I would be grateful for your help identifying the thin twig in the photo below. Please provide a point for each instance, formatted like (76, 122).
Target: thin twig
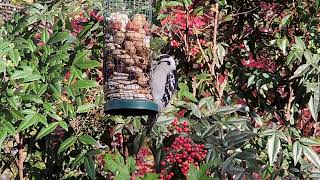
(245, 12)
(201, 49)
(215, 32)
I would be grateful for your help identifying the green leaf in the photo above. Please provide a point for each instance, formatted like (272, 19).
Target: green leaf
(131, 164)
(45, 35)
(55, 116)
(300, 71)
(236, 137)
(78, 160)
(174, 3)
(285, 21)
(46, 130)
(110, 164)
(183, 87)
(14, 56)
(187, 2)
(64, 125)
(195, 110)
(28, 121)
(314, 103)
(221, 53)
(86, 139)
(273, 148)
(90, 168)
(11, 130)
(16, 114)
(87, 64)
(3, 136)
(282, 44)
(312, 156)
(300, 43)
(85, 84)
(80, 57)
(66, 144)
(189, 95)
(151, 176)
(48, 107)
(296, 152)
(310, 141)
(224, 110)
(20, 74)
(85, 108)
(58, 37)
(193, 174)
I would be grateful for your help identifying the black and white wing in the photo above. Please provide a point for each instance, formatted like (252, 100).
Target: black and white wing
(171, 86)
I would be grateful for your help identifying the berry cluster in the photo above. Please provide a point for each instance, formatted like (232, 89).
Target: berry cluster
(181, 153)
(144, 163)
(180, 127)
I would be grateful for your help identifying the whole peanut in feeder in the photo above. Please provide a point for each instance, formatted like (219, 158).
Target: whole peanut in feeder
(127, 65)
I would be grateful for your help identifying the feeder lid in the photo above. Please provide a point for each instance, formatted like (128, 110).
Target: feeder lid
(127, 107)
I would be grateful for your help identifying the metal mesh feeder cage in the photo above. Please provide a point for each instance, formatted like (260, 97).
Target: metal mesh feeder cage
(127, 64)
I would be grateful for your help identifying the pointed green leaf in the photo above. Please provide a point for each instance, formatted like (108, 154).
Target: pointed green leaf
(58, 37)
(193, 173)
(28, 121)
(314, 103)
(14, 56)
(285, 21)
(296, 151)
(9, 127)
(66, 144)
(3, 136)
(86, 139)
(64, 125)
(90, 168)
(87, 64)
(80, 57)
(273, 148)
(78, 160)
(312, 156)
(45, 35)
(85, 84)
(85, 108)
(221, 53)
(46, 130)
(300, 71)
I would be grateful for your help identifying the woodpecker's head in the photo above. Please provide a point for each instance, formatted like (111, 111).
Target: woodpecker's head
(168, 60)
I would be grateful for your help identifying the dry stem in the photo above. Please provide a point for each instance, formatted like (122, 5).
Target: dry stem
(22, 156)
(215, 9)
(289, 105)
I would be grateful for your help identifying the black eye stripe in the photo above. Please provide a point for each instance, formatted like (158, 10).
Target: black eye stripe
(163, 56)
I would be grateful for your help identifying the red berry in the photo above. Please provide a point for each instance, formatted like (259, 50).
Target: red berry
(163, 163)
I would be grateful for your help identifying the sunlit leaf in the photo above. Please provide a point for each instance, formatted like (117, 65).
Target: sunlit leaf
(296, 152)
(273, 148)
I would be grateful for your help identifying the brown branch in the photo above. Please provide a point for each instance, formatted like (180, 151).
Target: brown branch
(201, 49)
(289, 105)
(22, 156)
(215, 9)
(245, 12)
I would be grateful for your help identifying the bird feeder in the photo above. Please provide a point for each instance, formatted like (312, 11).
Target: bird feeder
(127, 62)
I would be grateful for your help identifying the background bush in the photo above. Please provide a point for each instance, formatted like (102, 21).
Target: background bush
(247, 106)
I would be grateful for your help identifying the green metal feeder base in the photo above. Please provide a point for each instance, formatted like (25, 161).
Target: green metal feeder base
(130, 107)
